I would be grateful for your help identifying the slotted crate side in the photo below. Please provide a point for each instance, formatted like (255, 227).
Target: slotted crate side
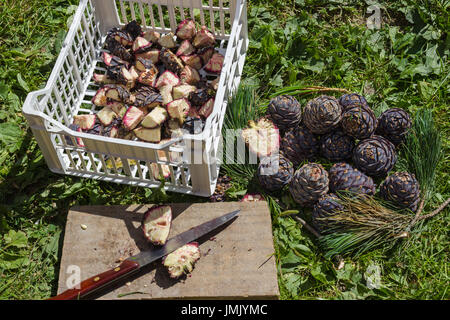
(229, 81)
(165, 15)
(51, 110)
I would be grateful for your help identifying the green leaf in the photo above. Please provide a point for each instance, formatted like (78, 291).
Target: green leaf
(292, 282)
(277, 81)
(4, 89)
(52, 247)
(302, 249)
(318, 274)
(426, 90)
(22, 83)
(10, 135)
(16, 239)
(315, 66)
(9, 261)
(290, 262)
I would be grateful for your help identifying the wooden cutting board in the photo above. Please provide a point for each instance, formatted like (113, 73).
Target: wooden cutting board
(237, 260)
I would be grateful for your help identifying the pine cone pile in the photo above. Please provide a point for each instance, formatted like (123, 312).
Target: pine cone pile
(358, 121)
(343, 177)
(347, 132)
(322, 114)
(337, 146)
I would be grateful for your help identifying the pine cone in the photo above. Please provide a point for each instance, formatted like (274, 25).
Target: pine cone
(337, 146)
(322, 114)
(274, 172)
(375, 156)
(352, 98)
(358, 121)
(328, 205)
(403, 189)
(299, 144)
(344, 177)
(285, 111)
(393, 124)
(308, 184)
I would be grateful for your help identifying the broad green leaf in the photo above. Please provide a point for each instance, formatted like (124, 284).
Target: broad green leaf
(315, 66)
(318, 274)
(22, 83)
(4, 89)
(425, 89)
(290, 262)
(10, 262)
(292, 281)
(10, 135)
(16, 239)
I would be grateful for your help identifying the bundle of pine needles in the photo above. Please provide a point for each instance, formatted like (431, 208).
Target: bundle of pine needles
(366, 223)
(362, 225)
(422, 153)
(241, 108)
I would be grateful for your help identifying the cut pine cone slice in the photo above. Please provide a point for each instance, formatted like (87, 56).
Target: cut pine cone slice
(147, 97)
(182, 260)
(262, 137)
(171, 61)
(156, 224)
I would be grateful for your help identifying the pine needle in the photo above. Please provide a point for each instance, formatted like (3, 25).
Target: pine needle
(301, 90)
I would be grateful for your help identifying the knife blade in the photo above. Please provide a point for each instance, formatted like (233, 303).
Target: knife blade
(136, 262)
(145, 257)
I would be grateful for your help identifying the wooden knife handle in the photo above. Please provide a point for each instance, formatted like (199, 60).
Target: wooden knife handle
(95, 282)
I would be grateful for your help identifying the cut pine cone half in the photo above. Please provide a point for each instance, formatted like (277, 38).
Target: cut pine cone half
(262, 137)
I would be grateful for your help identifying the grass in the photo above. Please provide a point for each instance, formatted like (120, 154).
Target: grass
(292, 43)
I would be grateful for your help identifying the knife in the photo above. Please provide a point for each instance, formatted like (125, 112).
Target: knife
(136, 262)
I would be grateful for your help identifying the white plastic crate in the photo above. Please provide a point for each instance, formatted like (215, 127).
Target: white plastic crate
(70, 88)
